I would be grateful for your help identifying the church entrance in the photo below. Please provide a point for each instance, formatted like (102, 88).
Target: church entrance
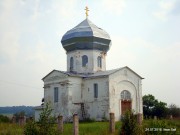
(126, 103)
(125, 106)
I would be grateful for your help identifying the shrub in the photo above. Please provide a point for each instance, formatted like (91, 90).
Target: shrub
(45, 125)
(31, 128)
(130, 125)
(4, 119)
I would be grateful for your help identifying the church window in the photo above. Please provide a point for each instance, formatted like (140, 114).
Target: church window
(95, 90)
(125, 95)
(56, 94)
(84, 60)
(99, 61)
(71, 63)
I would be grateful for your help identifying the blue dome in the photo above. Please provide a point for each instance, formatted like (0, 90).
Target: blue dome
(86, 36)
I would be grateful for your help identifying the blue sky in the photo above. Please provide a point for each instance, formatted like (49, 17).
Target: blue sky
(145, 37)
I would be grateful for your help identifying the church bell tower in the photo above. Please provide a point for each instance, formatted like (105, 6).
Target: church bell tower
(86, 46)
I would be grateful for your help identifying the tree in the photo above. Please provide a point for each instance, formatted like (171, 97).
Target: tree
(149, 102)
(174, 110)
(45, 126)
(160, 110)
(46, 121)
(4, 119)
(153, 107)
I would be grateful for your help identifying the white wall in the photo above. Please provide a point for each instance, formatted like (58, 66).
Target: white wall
(92, 61)
(96, 107)
(124, 80)
(38, 111)
(77, 90)
(60, 80)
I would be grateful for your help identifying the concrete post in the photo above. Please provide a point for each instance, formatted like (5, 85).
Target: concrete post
(155, 117)
(14, 119)
(139, 118)
(75, 124)
(22, 120)
(112, 123)
(60, 123)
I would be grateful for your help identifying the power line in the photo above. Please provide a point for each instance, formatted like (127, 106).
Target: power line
(19, 84)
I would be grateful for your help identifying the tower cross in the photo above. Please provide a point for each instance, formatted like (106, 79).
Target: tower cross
(86, 11)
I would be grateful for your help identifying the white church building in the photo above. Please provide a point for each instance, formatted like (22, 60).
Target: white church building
(87, 88)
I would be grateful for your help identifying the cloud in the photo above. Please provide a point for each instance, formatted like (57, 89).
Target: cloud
(120, 53)
(25, 52)
(165, 8)
(9, 46)
(165, 54)
(114, 6)
(9, 34)
(176, 10)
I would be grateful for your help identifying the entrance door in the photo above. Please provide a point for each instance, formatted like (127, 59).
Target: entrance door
(125, 101)
(125, 106)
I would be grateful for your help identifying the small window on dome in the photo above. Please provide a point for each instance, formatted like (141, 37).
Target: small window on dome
(84, 60)
(99, 61)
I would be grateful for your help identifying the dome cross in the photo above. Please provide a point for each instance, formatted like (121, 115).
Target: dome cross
(87, 9)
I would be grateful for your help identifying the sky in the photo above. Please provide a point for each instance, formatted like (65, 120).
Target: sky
(145, 36)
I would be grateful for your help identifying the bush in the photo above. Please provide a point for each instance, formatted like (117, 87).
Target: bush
(4, 119)
(45, 126)
(31, 128)
(130, 125)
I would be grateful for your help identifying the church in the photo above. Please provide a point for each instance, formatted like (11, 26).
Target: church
(87, 88)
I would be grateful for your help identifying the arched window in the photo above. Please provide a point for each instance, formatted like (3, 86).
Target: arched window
(84, 60)
(71, 63)
(99, 61)
(125, 95)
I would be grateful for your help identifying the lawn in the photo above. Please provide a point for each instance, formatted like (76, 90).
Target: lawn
(99, 128)
(93, 128)
(10, 129)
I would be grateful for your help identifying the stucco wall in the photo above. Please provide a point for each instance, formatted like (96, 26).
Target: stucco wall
(92, 61)
(96, 107)
(124, 80)
(76, 90)
(60, 80)
(37, 114)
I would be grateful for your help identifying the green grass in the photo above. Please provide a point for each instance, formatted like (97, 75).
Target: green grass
(10, 129)
(93, 128)
(161, 125)
(96, 128)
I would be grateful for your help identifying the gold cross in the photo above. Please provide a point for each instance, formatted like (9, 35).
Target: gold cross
(86, 11)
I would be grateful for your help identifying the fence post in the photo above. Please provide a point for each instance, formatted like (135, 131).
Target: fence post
(14, 119)
(112, 123)
(22, 120)
(60, 123)
(19, 120)
(139, 118)
(75, 124)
